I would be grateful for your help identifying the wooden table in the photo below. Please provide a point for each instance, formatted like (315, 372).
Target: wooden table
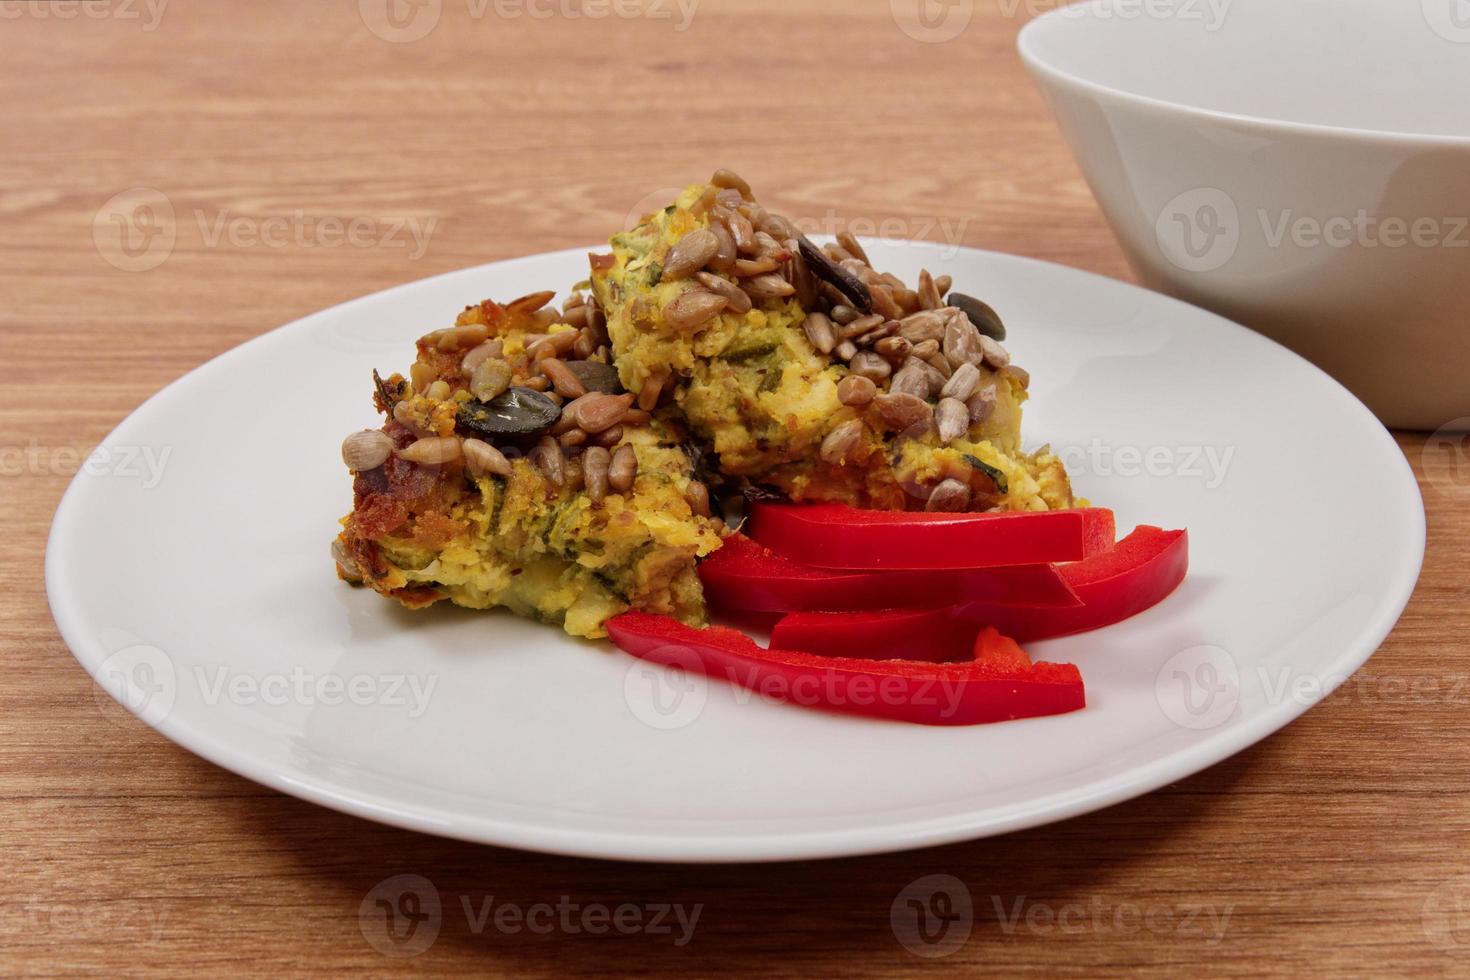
(1340, 844)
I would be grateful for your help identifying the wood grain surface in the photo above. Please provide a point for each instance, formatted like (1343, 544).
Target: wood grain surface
(271, 128)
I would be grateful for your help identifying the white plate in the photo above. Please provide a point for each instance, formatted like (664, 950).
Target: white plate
(199, 592)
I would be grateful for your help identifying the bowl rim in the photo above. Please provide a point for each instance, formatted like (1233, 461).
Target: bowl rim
(1039, 67)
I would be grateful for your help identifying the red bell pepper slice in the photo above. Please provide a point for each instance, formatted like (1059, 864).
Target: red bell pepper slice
(838, 536)
(743, 575)
(1139, 572)
(935, 635)
(998, 684)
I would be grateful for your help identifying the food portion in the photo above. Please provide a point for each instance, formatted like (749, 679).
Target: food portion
(805, 369)
(513, 471)
(593, 466)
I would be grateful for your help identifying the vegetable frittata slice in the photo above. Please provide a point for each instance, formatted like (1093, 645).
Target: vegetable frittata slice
(512, 471)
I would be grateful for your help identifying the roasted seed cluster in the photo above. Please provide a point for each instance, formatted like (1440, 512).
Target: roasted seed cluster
(549, 395)
(914, 355)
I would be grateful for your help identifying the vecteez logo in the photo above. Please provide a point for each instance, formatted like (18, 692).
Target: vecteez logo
(1198, 688)
(1450, 19)
(932, 916)
(1199, 230)
(135, 229)
(401, 21)
(401, 916)
(932, 21)
(141, 678)
(668, 695)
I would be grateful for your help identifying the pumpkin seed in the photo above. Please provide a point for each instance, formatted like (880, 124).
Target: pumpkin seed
(514, 412)
(985, 319)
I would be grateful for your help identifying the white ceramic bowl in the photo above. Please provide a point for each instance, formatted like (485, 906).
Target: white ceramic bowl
(1300, 166)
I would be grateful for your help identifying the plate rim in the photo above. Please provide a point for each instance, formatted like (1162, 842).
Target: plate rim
(1076, 800)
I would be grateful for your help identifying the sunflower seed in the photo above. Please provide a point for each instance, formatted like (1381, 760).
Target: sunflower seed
(530, 304)
(602, 412)
(962, 383)
(739, 303)
(894, 348)
(698, 496)
(484, 459)
(694, 308)
(952, 419)
(951, 496)
(489, 378)
(849, 242)
(900, 410)
(869, 365)
(856, 390)
(981, 404)
(840, 441)
(819, 331)
(746, 268)
(925, 325)
(567, 384)
(468, 335)
(860, 326)
(725, 254)
(595, 464)
(884, 303)
(995, 355)
(690, 254)
(725, 178)
(623, 470)
(367, 450)
(929, 297)
(432, 451)
(845, 350)
(963, 344)
(1022, 376)
(911, 381)
(985, 319)
(767, 287)
(547, 456)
